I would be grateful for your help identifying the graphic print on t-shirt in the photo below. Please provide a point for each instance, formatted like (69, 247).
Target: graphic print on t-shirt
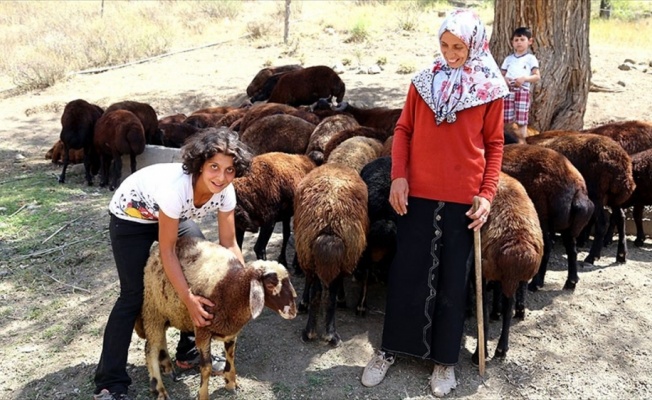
(138, 209)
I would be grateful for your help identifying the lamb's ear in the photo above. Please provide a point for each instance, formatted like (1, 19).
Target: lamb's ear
(256, 298)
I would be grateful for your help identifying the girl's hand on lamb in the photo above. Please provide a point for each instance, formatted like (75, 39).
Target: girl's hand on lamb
(398, 195)
(197, 308)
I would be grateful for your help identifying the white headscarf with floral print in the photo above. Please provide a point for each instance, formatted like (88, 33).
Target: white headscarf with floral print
(478, 81)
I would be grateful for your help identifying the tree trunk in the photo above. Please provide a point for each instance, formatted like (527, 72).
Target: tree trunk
(560, 31)
(605, 9)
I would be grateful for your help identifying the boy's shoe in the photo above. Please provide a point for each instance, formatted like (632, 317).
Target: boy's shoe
(218, 364)
(106, 395)
(376, 369)
(442, 380)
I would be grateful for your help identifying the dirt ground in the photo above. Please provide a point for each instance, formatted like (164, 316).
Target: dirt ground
(593, 343)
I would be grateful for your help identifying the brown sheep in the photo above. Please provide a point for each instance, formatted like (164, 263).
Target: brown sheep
(266, 196)
(330, 228)
(308, 85)
(341, 136)
(512, 248)
(145, 114)
(380, 118)
(641, 197)
(387, 147)
(633, 136)
(172, 119)
(356, 152)
(116, 133)
(204, 120)
(281, 132)
(264, 74)
(324, 131)
(232, 116)
(212, 271)
(215, 110)
(607, 171)
(381, 239)
(263, 110)
(175, 134)
(560, 197)
(75, 156)
(77, 129)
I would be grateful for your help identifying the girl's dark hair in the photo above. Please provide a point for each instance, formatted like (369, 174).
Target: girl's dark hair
(206, 143)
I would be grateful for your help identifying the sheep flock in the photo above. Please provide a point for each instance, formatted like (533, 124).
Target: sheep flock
(322, 169)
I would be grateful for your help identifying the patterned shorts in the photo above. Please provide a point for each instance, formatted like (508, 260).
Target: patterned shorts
(517, 104)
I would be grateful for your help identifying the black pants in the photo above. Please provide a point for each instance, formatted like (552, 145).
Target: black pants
(427, 283)
(131, 242)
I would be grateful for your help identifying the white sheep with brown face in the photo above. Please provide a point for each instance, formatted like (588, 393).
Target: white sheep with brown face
(239, 293)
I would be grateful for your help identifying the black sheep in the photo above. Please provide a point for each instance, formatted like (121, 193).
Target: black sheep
(77, 128)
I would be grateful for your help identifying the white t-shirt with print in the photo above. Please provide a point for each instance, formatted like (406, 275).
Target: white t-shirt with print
(164, 187)
(518, 66)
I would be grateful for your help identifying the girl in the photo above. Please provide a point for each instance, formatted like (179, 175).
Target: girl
(158, 203)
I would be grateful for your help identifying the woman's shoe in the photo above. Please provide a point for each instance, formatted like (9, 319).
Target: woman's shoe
(442, 380)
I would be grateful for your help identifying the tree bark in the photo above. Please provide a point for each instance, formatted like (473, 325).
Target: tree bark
(560, 31)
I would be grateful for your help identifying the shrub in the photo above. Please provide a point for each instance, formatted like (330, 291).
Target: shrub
(406, 68)
(359, 33)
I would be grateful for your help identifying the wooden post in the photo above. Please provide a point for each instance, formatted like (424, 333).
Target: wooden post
(286, 31)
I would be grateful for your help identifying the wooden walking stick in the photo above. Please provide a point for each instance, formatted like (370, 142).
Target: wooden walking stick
(477, 249)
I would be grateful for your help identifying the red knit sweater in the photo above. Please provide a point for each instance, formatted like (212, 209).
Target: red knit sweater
(449, 162)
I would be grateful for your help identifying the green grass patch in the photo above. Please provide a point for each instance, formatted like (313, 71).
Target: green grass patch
(35, 206)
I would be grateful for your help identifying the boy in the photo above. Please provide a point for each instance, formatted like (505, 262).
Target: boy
(520, 69)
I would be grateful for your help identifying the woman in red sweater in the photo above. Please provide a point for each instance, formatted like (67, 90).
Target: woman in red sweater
(446, 156)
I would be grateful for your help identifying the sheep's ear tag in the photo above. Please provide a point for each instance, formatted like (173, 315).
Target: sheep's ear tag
(256, 298)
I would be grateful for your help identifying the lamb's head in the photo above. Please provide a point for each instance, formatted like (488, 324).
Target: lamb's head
(273, 289)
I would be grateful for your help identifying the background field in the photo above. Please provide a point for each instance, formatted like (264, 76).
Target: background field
(57, 278)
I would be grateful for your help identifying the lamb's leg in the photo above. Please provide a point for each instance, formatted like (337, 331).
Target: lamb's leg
(571, 253)
(132, 157)
(638, 220)
(116, 166)
(495, 289)
(229, 368)
(287, 230)
(304, 304)
(539, 278)
(203, 344)
(599, 227)
(155, 344)
(88, 165)
(519, 304)
(239, 236)
(503, 342)
(618, 216)
(66, 160)
(310, 332)
(260, 248)
(363, 268)
(331, 336)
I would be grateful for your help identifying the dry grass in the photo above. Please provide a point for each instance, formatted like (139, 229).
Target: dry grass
(48, 41)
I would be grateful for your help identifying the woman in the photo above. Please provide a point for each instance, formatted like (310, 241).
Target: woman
(157, 203)
(446, 156)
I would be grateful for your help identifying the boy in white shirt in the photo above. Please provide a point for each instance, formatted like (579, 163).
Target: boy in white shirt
(520, 69)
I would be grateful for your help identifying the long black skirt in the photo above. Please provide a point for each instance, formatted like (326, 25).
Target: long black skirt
(427, 283)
